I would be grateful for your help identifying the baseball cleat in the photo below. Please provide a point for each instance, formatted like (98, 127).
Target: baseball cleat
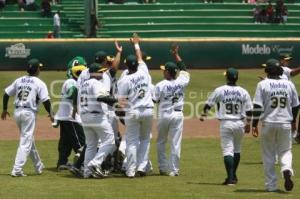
(39, 169)
(64, 167)
(229, 182)
(288, 183)
(76, 172)
(96, 172)
(20, 174)
(141, 173)
(173, 173)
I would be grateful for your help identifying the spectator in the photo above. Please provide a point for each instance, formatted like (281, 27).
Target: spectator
(94, 25)
(50, 35)
(270, 12)
(252, 1)
(284, 14)
(46, 8)
(31, 5)
(278, 11)
(256, 14)
(2, 4)
(22, 5)
(263, 14)
(56, 24)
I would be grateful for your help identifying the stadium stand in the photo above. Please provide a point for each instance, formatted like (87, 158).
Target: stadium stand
(165, 18)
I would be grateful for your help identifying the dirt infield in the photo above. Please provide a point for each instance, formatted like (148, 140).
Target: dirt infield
(193, 128)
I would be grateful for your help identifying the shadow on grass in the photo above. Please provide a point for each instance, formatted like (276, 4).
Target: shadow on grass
(251, 163)
(206, 183)
(259, 191)
(52, 169)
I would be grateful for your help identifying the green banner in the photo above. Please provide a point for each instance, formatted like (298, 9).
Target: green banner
(55, 54)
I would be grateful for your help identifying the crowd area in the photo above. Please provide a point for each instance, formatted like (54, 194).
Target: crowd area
(270, 13)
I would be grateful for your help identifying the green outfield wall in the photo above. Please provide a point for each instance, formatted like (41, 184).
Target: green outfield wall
(197, 53)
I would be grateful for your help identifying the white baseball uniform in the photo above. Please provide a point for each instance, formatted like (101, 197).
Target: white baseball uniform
(277, 98)
(169, 94)
(95, 124)
(28, 92)
(139, 114)
(232, 104)
(286, 73)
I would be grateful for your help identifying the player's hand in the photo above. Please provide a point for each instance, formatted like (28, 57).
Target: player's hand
(247, 128)
(4, 114)
(255, 131)
(118, 47)
(51, 118)
(174, 48)
(203, 117)
(135, 38)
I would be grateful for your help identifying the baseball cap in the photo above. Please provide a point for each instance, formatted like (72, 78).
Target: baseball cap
(272, 63)
(110, 58)
(97, 68)
(169, 66)
(100, 56)
(231, 73)
(33, 65)
(76, 70)
(131, 60)
(285, 57)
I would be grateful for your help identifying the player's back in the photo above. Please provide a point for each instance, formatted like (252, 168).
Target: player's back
(277, 97)
(28, 92)
(232, 102)
(137, 88)
(170, 93)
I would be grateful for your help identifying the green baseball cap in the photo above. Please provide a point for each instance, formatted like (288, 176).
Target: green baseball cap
(100, 56)
(285, 57)
(169, 66)
(131, 60)
(97, 68)
(231, 73)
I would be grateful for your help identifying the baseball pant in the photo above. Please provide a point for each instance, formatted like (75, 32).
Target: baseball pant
(96, 127)
(71, 137)
(232, 133)
(26, 123)
(138, 132)
(169, 126)
(276, 138)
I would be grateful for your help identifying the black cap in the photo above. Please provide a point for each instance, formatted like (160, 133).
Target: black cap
(100, 56)
(33, 65)
(131, 61)
(169, 66)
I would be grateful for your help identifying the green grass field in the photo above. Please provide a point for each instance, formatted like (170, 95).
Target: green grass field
(202, 171)
(202, 83)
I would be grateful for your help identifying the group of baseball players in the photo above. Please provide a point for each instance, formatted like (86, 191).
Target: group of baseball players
(93, 100)
(275, 104)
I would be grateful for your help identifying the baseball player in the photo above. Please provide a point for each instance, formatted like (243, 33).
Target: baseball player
(169, 94)
(276, 103)
(134, 93)
(93, 113)
(71, 131)
(233, 106)
(29, 91)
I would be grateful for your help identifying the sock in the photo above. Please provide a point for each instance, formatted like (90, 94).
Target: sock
(228, 161)
(236, 161)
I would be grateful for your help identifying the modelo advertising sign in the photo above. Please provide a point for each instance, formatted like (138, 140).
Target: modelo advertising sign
(197, 53)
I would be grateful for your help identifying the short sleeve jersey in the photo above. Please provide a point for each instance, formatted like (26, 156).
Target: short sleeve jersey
(29, 91)
(277, 97)
(232, 102)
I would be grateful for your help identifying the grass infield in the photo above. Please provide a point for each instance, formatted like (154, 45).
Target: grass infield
(202, 172)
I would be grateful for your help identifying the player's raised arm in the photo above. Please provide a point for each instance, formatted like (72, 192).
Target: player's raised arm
(116, 62)
(175, 52)
(135, 40)
(295, 71)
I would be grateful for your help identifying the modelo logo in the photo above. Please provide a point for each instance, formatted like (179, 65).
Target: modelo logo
(255, 50)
